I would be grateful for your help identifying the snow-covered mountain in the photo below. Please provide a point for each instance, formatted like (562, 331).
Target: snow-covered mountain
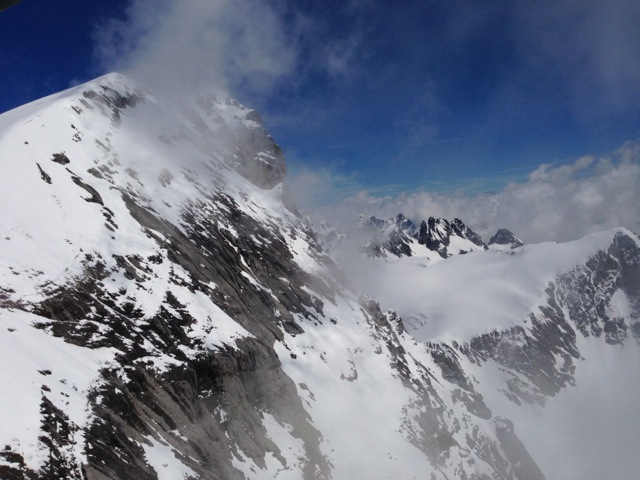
(504, 240)
(435, 239)
(165, 314)
(399, 236)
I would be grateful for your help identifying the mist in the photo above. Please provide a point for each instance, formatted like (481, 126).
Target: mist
(575, 57)
(555, 203)
(178, 47)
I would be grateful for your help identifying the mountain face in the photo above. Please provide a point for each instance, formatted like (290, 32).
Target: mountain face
(164, 314)
(504, 240)
(400, 237)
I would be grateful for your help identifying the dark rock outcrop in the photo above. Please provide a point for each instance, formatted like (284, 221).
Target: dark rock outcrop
(396, 235)
(504, 237)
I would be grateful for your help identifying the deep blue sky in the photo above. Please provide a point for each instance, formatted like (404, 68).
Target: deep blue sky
(389, 96)
(46, 46)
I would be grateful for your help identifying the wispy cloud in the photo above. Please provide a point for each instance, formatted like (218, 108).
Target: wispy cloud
(253, 48)
(312, 188)
(554, 203)
(524, 70)
(581, 56)
(430, 89)
(198, 44)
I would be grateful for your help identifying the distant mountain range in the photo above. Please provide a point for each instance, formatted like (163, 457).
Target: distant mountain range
(166, 313)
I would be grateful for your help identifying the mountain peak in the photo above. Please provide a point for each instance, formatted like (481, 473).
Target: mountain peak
(225, 129)
(113, 80)
(504, 240)
(448, 238)
(400, 236)
(165, 315)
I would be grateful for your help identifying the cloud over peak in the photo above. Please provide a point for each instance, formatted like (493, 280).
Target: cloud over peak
(555, 203)
(178, 46)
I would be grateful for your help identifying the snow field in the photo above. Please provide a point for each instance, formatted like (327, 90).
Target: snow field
(469, 295)
(37, 365)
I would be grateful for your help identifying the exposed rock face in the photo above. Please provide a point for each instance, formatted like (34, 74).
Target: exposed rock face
(259, 158)
(541, 359)
(249, 148)
(400, 237)
(436, 235)
(504, 239)
(165, 318)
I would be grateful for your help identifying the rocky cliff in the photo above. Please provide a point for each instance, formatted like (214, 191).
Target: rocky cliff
(165, 315)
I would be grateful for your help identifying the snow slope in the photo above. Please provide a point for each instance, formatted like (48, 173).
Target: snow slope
(165, 314)
(469, 295)
(492, 308)
(70, 163)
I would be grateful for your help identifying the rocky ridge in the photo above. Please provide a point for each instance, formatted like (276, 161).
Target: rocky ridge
(504, 240)
(400, 236)
(166, 315)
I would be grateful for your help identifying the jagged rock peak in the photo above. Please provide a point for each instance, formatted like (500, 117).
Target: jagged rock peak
(404, 223)
(400, 236)
(504, 239)
(463, 231)
(437, 234)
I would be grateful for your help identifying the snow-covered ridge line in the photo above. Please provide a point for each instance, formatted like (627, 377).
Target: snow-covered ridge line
(137, 241)
(78, 169)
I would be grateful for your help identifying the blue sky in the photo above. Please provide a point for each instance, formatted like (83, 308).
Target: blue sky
(384, 96)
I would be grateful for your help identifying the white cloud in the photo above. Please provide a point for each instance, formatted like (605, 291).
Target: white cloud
(555, 203)
(175, 46)
(252, 49)
(311, 188)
